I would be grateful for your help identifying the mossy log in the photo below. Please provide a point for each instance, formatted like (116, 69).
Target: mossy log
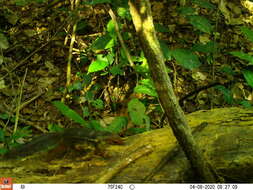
(225, 135)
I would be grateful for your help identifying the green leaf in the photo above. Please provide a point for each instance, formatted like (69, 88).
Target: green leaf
(186, 58)
(3, 151)
(166, 51)
(243, 56)
(2, 135)
(118, 124)
(136, 111)
(69, 113)
(4, 44)
(210, 47)
(86, 111)
(201, 23)
(146, 86)
(124, 13)
(227, 70)
(247, 32)
(21, 2)
(103, 42)
(111, 29)
(226, 93)
(204, 4)
(77, 85)
(246, 104)
(98, 104)
(116, 70)
(4, 116)
(248, 75)
(95, 2)
(99, 64)
(161, 28)
(94, 124)
(186, 11)
(54, 128)
(22, 132)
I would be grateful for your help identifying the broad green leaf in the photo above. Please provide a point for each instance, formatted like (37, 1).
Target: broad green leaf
(243, 56)
(111, 29)
(186, 58)
(69, 113)
(99, 64)
(210, 47)
(94, 124)
(118, 124)
(4, 44)
(166, 51)
(248, 75)
(146, 86)
(246, 104)
(226, 93)
(103, 42)
(204, 4)
(4, 116)
(247, 32)
(186, 11)
(201, 23)
(136, 111)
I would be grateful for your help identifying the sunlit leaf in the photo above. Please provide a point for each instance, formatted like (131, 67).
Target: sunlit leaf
(247, 32)
(103, 42)
(146, 86)
(99, 64)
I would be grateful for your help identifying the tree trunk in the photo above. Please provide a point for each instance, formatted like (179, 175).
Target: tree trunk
(143, 22)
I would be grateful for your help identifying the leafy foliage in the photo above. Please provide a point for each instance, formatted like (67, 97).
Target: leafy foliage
(186, 58)
(137, 114)
(146, 87)
(69, 113)
(200, 23)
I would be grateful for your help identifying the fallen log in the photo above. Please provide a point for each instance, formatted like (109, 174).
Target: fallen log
(225, 135)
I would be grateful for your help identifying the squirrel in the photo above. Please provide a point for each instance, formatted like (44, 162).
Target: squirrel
(81, 140)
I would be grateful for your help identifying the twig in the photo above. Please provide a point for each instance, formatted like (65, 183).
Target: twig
(112, 15)
(19, 101)
(109, 174)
